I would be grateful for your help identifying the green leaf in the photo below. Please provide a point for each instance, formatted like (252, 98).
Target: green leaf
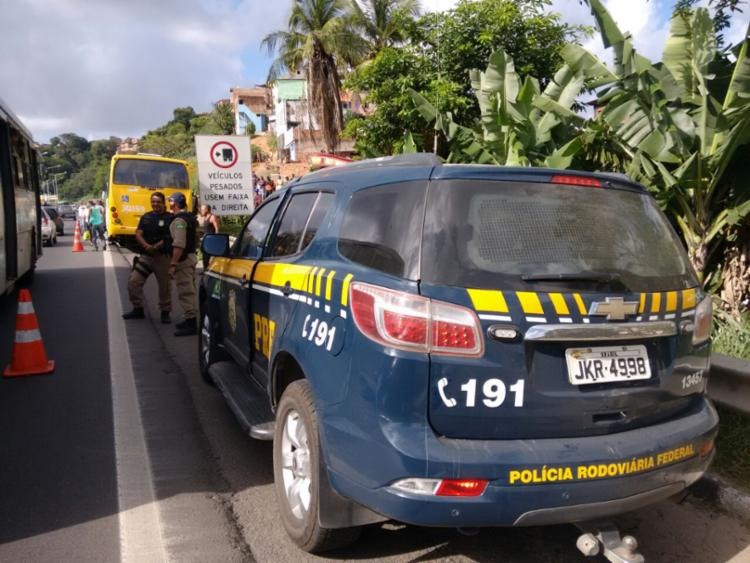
(611, 34)
(738, 92)
(677, 55)
(579, 59)
(704, 41)
(551, 106)
(563, 157)
(425, 108)
(653, 144)
(409, 147)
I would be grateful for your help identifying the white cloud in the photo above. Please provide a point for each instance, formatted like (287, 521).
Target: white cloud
(119, 68)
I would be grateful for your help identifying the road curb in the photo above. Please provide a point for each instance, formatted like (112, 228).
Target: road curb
(720, 492)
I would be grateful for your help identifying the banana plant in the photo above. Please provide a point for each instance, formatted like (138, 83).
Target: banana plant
(519, 124)
(685, 128)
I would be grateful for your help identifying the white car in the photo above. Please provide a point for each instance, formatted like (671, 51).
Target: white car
(49, 231)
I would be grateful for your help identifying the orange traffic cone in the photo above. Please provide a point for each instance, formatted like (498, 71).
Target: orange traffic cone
(29, 357)
(77, 245)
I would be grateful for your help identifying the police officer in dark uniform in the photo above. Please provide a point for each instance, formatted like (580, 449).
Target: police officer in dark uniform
(153, 237)
(184, 231)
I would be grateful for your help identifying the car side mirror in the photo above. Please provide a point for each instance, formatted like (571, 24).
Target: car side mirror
(215, 244)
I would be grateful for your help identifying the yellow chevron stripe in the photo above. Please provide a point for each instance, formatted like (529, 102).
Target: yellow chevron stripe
(655, 302)
(311, 280)
(329, 284)
(642, 306)
(278, 275)
(319, 282)
(345, 290)
(530, 302)
(688, 298)
(581, 305)
(488, 300)
(561, 307)
(671, 301)
(233, 268)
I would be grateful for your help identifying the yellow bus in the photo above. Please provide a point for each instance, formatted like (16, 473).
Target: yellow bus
(132, 180)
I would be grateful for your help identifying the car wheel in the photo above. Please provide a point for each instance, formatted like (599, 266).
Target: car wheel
(208, 349)
(296, 466)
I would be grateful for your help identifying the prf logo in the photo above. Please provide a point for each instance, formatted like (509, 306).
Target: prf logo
(264, 331)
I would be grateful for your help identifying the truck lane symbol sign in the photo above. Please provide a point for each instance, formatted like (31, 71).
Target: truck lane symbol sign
(224, 154)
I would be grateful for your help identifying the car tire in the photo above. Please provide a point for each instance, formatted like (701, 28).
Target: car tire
(296, 468)
(208, 350)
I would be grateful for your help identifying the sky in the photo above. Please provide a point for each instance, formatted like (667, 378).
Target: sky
(108, 67)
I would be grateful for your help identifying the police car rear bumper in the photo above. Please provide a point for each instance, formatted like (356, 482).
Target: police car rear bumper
(674, 449)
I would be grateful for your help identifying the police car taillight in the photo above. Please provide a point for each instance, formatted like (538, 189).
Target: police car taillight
(573, 180)
(703, 321)
(411, 322)
(442, 487)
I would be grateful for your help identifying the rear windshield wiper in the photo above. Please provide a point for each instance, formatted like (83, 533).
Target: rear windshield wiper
(580, 276)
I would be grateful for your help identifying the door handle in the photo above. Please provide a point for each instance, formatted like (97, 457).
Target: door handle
(287, 289)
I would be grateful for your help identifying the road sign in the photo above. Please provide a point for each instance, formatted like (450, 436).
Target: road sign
(225, 179)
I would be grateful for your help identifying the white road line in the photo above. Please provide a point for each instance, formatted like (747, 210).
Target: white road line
(140, 523)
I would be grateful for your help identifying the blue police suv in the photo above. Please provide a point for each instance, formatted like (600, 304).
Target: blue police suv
(464, 346)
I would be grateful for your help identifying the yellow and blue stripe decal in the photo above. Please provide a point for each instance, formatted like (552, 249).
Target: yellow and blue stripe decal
(541, 307)
(315, 286)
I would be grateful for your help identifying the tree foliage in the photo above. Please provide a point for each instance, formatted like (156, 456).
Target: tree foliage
(319, 37)
(80, 166)
(383, 23)
(436, 59)
(176, 138)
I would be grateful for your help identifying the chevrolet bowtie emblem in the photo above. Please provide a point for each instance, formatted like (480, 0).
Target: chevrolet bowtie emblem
(615, 308)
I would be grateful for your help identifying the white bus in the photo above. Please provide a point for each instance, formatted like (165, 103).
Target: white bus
(20, 240)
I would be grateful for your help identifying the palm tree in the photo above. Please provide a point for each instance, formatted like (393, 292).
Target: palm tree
(318, 36)
(382, 21)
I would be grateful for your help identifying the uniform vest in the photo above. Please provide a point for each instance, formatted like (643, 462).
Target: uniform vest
(191, 237)
(155, 227)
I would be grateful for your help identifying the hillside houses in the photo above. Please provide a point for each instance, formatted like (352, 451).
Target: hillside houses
(284, 111)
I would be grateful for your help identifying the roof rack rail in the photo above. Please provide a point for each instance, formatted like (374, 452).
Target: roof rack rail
(416, 158)
(413, 159)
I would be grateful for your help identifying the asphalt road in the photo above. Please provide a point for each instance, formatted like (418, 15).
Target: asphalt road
(71, 491)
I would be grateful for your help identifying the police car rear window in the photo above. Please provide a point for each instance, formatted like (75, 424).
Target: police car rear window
(513, 234)
(381, 228)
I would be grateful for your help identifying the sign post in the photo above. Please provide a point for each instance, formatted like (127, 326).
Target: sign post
(225, 178)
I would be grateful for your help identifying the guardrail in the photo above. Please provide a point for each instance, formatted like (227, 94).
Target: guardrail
(729, 384)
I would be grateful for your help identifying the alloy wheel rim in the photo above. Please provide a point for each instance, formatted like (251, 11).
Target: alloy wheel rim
(295, 465)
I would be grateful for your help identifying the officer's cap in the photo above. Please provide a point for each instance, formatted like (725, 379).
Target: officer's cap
(178, 199)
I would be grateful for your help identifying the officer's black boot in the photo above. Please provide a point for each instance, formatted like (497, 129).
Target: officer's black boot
(188, 328)
(165, 318)
(136, 313)
(184, 323)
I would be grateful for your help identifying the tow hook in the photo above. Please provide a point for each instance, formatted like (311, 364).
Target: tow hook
(604, 538)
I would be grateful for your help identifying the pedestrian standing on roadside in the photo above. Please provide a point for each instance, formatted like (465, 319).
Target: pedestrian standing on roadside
(96, 222)
(82, 217)
(152, 235)
(184, 233)
(208, 223)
